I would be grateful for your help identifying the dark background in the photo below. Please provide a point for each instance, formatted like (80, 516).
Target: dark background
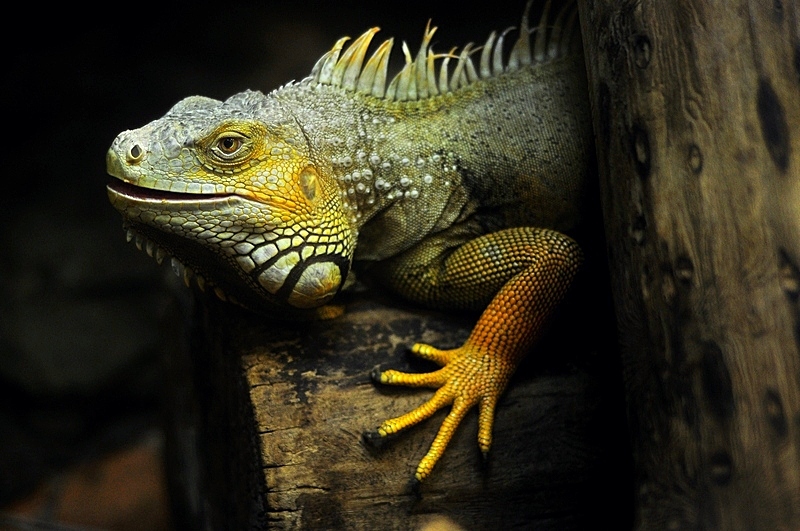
(81, 309)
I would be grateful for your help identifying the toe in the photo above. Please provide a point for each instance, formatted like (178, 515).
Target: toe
(427, 352)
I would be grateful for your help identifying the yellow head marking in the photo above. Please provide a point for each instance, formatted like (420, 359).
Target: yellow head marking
(261, 164)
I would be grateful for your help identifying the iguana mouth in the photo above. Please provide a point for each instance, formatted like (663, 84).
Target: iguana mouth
(131, 192)
(121, 188)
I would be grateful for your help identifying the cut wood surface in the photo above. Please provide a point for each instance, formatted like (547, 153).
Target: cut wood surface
(697, 116)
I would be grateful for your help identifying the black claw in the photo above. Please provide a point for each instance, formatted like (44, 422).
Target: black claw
(416, 488)
(373, 438)
(486, 464)
(375, 374)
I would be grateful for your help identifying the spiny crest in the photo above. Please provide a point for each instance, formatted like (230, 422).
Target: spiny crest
(418, 78)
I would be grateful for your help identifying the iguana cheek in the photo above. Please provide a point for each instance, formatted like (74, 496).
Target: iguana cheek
(316, 285)
(294, 188)
(301, 284)
(273, 278)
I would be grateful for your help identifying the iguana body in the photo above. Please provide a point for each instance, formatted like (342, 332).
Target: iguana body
(453, 183)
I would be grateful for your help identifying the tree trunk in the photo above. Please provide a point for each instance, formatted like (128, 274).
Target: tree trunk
(697, 117)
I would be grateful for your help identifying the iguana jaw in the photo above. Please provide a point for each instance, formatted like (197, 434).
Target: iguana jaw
(138, 205)
(250, 259)
(255, 271)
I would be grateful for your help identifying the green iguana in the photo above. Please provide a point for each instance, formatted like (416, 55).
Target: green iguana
(454, 179)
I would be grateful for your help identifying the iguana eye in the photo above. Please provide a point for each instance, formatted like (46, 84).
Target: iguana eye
(229, 144)
(230, 147)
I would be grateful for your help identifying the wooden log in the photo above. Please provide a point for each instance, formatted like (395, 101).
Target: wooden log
(697, 117)
(267, 420)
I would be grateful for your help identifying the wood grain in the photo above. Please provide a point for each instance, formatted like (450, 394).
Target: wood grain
(697, 116)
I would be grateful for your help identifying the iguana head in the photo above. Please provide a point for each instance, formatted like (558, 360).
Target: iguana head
(229, 189)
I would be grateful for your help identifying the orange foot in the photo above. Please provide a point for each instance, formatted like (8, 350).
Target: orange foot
(469, 376)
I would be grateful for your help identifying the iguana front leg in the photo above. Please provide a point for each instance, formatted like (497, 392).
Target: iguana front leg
(525, 273)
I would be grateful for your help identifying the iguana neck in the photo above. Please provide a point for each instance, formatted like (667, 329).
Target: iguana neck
(375, 150)
(438, 154)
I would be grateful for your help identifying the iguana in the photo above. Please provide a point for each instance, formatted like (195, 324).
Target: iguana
(455, 180)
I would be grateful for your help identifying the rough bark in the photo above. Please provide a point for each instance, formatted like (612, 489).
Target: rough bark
(277, 412)
(697, 118)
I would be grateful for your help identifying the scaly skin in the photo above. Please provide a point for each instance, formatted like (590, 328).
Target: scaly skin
(539, 265)
(457, 190)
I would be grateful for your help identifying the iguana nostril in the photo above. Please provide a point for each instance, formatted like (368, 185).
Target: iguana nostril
(135, 153)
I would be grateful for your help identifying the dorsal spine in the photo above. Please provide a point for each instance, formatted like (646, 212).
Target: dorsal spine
(418, 78)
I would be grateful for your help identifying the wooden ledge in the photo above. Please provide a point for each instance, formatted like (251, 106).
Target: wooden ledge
(280, 409)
